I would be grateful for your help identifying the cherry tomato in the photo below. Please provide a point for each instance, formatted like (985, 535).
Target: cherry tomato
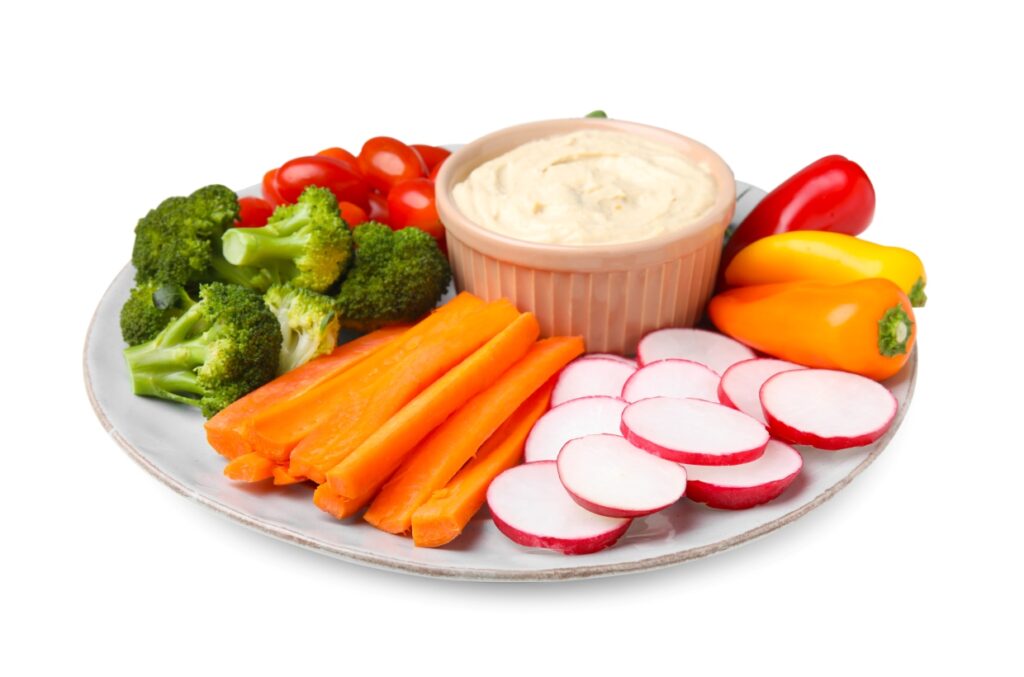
(432, 156)
(338, 176)
(435, 170)
(352, 214)
(385, 162)
(270, 191)
(379, 209)
(253, 212)
(411, 203)
(340, 154)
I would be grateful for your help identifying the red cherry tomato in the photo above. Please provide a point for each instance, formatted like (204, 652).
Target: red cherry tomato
(340, 154)
(338, 176)
(385, 162)
(379, 209)
(411, 203)
(432, 156)
(253, 212)
(270, 191)
(352, 214)
(435, 170)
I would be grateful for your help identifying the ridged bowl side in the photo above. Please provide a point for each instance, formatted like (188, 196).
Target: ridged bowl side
(612, 309)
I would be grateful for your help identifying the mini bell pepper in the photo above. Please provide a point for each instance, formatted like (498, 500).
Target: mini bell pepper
(866, 327)
(826, 257)
(832, 194)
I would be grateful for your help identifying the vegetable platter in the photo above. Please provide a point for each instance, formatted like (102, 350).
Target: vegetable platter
(169, 441)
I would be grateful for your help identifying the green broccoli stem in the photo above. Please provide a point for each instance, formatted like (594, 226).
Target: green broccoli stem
(168, 372)
(169, 386)
(257, 248)
(190, 323)
(246, 276)
(165, 366)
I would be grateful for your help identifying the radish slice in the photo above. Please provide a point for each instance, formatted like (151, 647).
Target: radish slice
(741, 383)
(693, 431)
(589, 377)
(706, 347)
(827, 409)
(672, 378)
(575, 418)
(608, 475)
(737, 487)
(610, 356)
(529, 505)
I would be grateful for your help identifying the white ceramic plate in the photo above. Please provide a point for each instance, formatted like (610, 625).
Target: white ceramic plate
(168, 441)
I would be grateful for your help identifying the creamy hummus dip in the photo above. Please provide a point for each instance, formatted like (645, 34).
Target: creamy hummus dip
(587, 188)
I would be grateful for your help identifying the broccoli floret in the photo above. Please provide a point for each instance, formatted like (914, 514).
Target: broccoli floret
(306, 244)
(219, 349)
(150, 306)
(179, 241)
(396, 277)
(309, 324)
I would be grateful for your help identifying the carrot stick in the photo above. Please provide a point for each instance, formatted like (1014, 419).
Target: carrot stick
(283, 478)
(456, 440)
(368, 405)
(227, 431)
(281, 426)
(446, 514)
(333, 504)
(373, 461)
(342, 507)
(250, 467)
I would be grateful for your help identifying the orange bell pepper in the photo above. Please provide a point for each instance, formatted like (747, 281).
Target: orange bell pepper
(866, 327)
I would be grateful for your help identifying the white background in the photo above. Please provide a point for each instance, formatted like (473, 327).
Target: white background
(106, 110)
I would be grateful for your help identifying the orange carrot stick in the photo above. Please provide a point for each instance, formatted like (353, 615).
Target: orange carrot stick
(250, 467)
(333, 504)
(283, 478)
(342, 507)
(281, 426)
(446, 514)
(227, 431)
(456, 440)
(373, 461)
(368, 405)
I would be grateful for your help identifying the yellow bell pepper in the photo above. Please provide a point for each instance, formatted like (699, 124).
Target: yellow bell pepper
(826, 257)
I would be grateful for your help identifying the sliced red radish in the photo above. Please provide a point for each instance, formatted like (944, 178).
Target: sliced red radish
(672, 378)
(575, 418)
(714, 350)
(608, 475)
(610, 356)
(529, 505)
(740, 387)
(737, 487)
(827, 409)
(591, 376)
(693, 431)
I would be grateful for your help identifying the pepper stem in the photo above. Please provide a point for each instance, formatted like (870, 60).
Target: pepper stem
(894, 332)
(917, 296)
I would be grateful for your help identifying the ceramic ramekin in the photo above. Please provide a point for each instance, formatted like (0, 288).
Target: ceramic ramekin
(609, 294)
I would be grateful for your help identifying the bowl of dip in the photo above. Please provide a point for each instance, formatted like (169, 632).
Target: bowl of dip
(602, 228)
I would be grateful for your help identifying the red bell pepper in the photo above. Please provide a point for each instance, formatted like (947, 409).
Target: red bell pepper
(832, 194)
